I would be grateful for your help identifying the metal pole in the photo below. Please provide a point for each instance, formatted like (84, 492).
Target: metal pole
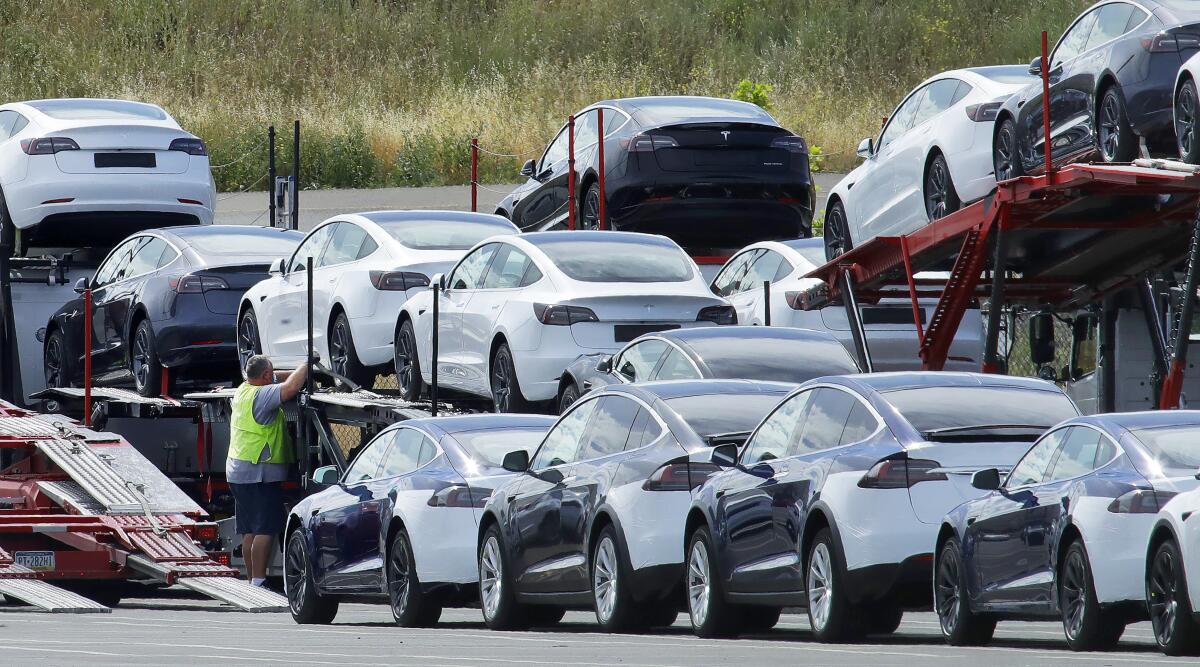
(308, 379)
(296, 177)
(855, 319)
(912, 289)
(1173, 386)
(600, 165)
(766, 303)
(9, 365)
(474, 174)
(1046, 103)
(1108, 345)
(991, 351)
(571, 172)
(1154, 326)
(271, 174)
(433, 356)
(87, 357)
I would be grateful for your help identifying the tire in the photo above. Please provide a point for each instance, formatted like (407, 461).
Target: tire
(829, 610)
(837, 232)
(1086, 626)
(883, 618)
(941, 199)
(661, 616)
(407, 363)
(567, 398)
(1114, 137)
(411, 607)
(710, 614)
(759, 619)
(143, 361)
(959, 626)
(1187, 134)
(1006, 152)
(1175, 629)
(544, 616)
(343, 358)
(58, 364)
(506, 388)
(589, 209)
(612, 582)
(497, 599)
(308, 607)
(249, 339)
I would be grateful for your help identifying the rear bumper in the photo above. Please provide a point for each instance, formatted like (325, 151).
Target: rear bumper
(202, 344)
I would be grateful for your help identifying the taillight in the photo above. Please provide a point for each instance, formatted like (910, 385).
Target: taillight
(717, 315)
(901, 473)
(984, 113)
(790, 143)
(48, 145)
(220, 558)
(563, 316)
(398, 281)
(460, 496)
(678, 477)
(1166, 42)
(206, 531)
(795, 300)
(194, 284)
(644, 143)
(1141, 501)
(189, 146)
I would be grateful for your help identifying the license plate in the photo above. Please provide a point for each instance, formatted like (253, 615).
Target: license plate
(38, 561)
(627, 332)
(145, 160)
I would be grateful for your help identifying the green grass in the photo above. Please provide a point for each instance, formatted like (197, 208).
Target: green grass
(390, 91)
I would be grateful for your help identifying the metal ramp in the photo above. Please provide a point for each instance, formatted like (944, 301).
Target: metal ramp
(20, 583)
(93, 475)
(215, 581)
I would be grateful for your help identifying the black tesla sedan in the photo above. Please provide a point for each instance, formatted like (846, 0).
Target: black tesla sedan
(164, 298)
(713, 174)
(1112, 77)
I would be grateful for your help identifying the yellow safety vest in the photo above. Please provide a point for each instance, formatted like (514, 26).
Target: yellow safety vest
(247, 436)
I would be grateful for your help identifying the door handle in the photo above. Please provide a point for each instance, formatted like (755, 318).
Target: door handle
(719, 492)
(569, 480)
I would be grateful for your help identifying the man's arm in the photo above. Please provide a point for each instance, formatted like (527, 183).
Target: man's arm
(293, 383)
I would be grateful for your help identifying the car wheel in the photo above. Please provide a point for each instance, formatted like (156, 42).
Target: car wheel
(343, 358)
(567, 398)
(1006, 155)
(1114, 136)
(941, 199)
(58, 364)
(249, 342)
(411, 607)
(883, 618)
(960, 626)
(143, 361)
(1187, 135)
(506, 389)
(829, 611)
(612, 584)
(660, 615)
(1086, 625)
(407, 363)
(836, 232)
(501, 611)
(589, 215)
(1175, 629)
(710, 614)
(308, 607)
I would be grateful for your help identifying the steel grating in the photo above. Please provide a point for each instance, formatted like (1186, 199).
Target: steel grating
(14, 571)
(93, 474)
(34, 428)
(71, 495)
(167, 570)
(50, 597)
(237, 592)
(171, 545)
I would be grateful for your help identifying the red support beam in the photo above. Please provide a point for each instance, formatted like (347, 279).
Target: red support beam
(912, 288)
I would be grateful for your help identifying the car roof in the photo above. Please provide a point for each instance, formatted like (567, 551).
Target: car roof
(463, 423)
(671, 110)
(192, 231)
(38, 110)
(539, 239)
(699, 335)
(668, 389)
(385, 216)
(1131, 421)
(895, 381)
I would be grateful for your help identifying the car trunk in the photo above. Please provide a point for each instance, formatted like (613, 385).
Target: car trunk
(122, 149)
(625, 317)
(959, 460)
(239, 277)
(737, 147)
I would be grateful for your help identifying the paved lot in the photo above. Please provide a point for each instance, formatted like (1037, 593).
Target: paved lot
(194, 632)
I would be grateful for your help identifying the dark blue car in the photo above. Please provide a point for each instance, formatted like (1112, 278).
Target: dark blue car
(1064, 534)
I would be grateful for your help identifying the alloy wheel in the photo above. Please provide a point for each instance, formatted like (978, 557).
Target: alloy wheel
(936, 190)
(604, 579)
(490, 577)
(1164, 605)
(1005, 154)
(501, 384)
(141, 358)
(591, 210)
(1185, 119)
(946, 594)
(1110, 130)
(339, 349)
(1074, 593)
(248, 344)
(698, 585)
(398, 578)
(53, 363)
(295, 575)
(835, 233)
(820, 585)
(405, 352)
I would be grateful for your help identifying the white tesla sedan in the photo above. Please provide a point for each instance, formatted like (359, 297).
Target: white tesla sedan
(76, 168)
(518, 309)
(934, 153)
(365, 266)
(891, 334)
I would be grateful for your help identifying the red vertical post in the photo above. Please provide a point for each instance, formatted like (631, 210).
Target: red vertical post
(87, 357)
(912, 290)
(474, 173)
(164, 381)
(1046, 103)
(571, 172)
(600, 165)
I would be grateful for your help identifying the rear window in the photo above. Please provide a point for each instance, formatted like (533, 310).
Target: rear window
(593, 261)
(814, 254)
(724, 413)
(675, 110)
(442, 234)
(488, 447)
(758, 359)
(948, 411)
(244, 244)
(98, 109)
(1172, 446)
(1015, 74)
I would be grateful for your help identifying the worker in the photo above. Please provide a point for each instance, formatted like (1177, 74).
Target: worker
(260, 459)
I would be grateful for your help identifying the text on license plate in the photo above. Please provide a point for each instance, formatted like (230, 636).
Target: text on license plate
(38, 561)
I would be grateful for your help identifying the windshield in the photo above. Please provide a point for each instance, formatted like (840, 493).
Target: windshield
(945, 412)
(715, 414)
(640, 261)
(488, 447)
(1175, 447)
(443, 234)
(98, 109)
(265, 244)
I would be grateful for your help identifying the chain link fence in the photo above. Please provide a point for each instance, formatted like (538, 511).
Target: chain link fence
(1014, 339)
(350, 436)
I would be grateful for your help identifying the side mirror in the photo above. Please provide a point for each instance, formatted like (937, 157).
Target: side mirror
(1035, 67)
(1041, 338)
(276, 268)
(605, 364)
(81, 285)
(438, 279)
(725, 455)
(987, 479)
(326, 476)
(527, 168)
(866, 148)
(517, 461)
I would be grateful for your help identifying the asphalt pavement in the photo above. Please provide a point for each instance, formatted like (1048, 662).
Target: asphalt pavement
(201, 632)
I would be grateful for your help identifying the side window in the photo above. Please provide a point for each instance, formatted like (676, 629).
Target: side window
(902, 119)
(469, 272)
(1078, 454)
(611, 424)
(7, 120)
(404, 455)
(1074, 41)
(826, 420)
(507, 269)
(614, 121)
(938, 97)
(1111, 23)
(1032, 467)
(366, 464)
(562, 442)
(368, 247)
(168, 255)
(145, 259)
(963, 90)
(532, 275)
(646, 430)
(775, 437)
(676, 366)
(428, 452)
(785, 267)
(585, 130)
(347, 241)
(117, 260)
(638, 360)
(859, 424)
(310, 247)
(727, 280)
(764, 268)
(556, 152)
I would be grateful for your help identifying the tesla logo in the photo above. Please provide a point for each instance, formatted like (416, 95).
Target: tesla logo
(725, 133)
